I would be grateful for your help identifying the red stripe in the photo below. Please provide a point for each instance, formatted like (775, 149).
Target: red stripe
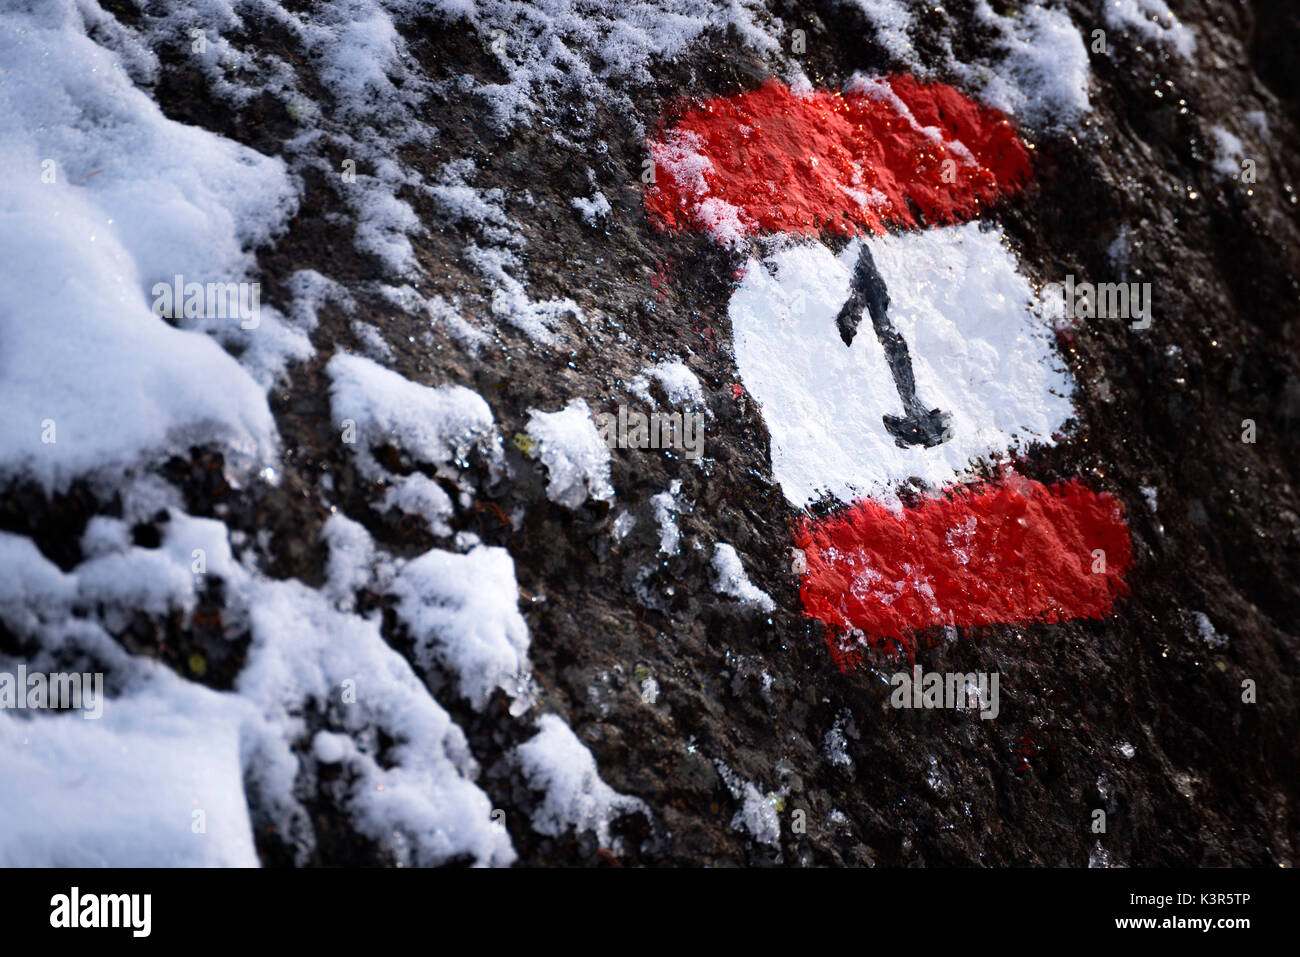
(1009, 551)
(791, 164)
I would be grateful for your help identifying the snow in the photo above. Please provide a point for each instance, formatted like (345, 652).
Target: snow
(31, 587)
(1258, 121)
(624, 522)
(557, 763)
(330, 748)
(666, 506)
(979, 352)
(89, 376)
(120, 790)
(576, 460)
(462, 613)
(564, 45)
(593, 209)
(1205, 628)
(892, 20)
(835, 746)
(188, 743)
(757, 813)
(311, 291)
(758, 817)
(446, 316)
(1040, 74)
(494, 254)
(677, 380)
(649, 690)
(372, 342)
(540, 321)
(420, 803)
(351, 561)
(432, 424)
(1044, 75)
(734, 583)
(1228, 153)
(1153, 20)
(155, 782)
(417, 494)
(462, 202)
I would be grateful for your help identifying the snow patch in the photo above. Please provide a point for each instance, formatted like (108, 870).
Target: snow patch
(1044, 74)
(734, 583)
(462, 612)
(576, 459)
(594, 209)
(675, 377)
(572, 45)
(666, 507)
(436, 425)
(90, 376)
(892, 21)
(1153, 20)
(1205, 628)
(1040, 73)
(192, 748)
(757, 813)
(556, 762)
(127, 790)
(1228, 153)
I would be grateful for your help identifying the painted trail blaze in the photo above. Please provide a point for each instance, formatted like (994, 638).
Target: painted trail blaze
(902, 165)
(776, 161)
(1010, 551)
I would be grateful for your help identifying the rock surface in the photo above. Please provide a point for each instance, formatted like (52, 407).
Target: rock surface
(730, 723)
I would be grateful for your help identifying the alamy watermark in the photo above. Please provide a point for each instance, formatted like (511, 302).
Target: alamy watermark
(1104, 300)
(57, 690)
(212, 300)
(964, 691)
(683, 431)
(133, 912)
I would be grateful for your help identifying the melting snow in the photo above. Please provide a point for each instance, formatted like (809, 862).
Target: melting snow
(91, 375)
(193, 744)
(593, 209)
(757, 813)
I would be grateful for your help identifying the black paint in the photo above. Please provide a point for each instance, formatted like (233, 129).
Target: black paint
(917, 425)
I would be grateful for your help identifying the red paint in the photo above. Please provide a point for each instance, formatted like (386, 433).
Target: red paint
(1008, 551)
(791, 164)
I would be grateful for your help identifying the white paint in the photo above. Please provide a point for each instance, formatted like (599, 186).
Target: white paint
(978, 349)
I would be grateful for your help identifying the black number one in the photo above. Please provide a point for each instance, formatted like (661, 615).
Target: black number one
(917, 425)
